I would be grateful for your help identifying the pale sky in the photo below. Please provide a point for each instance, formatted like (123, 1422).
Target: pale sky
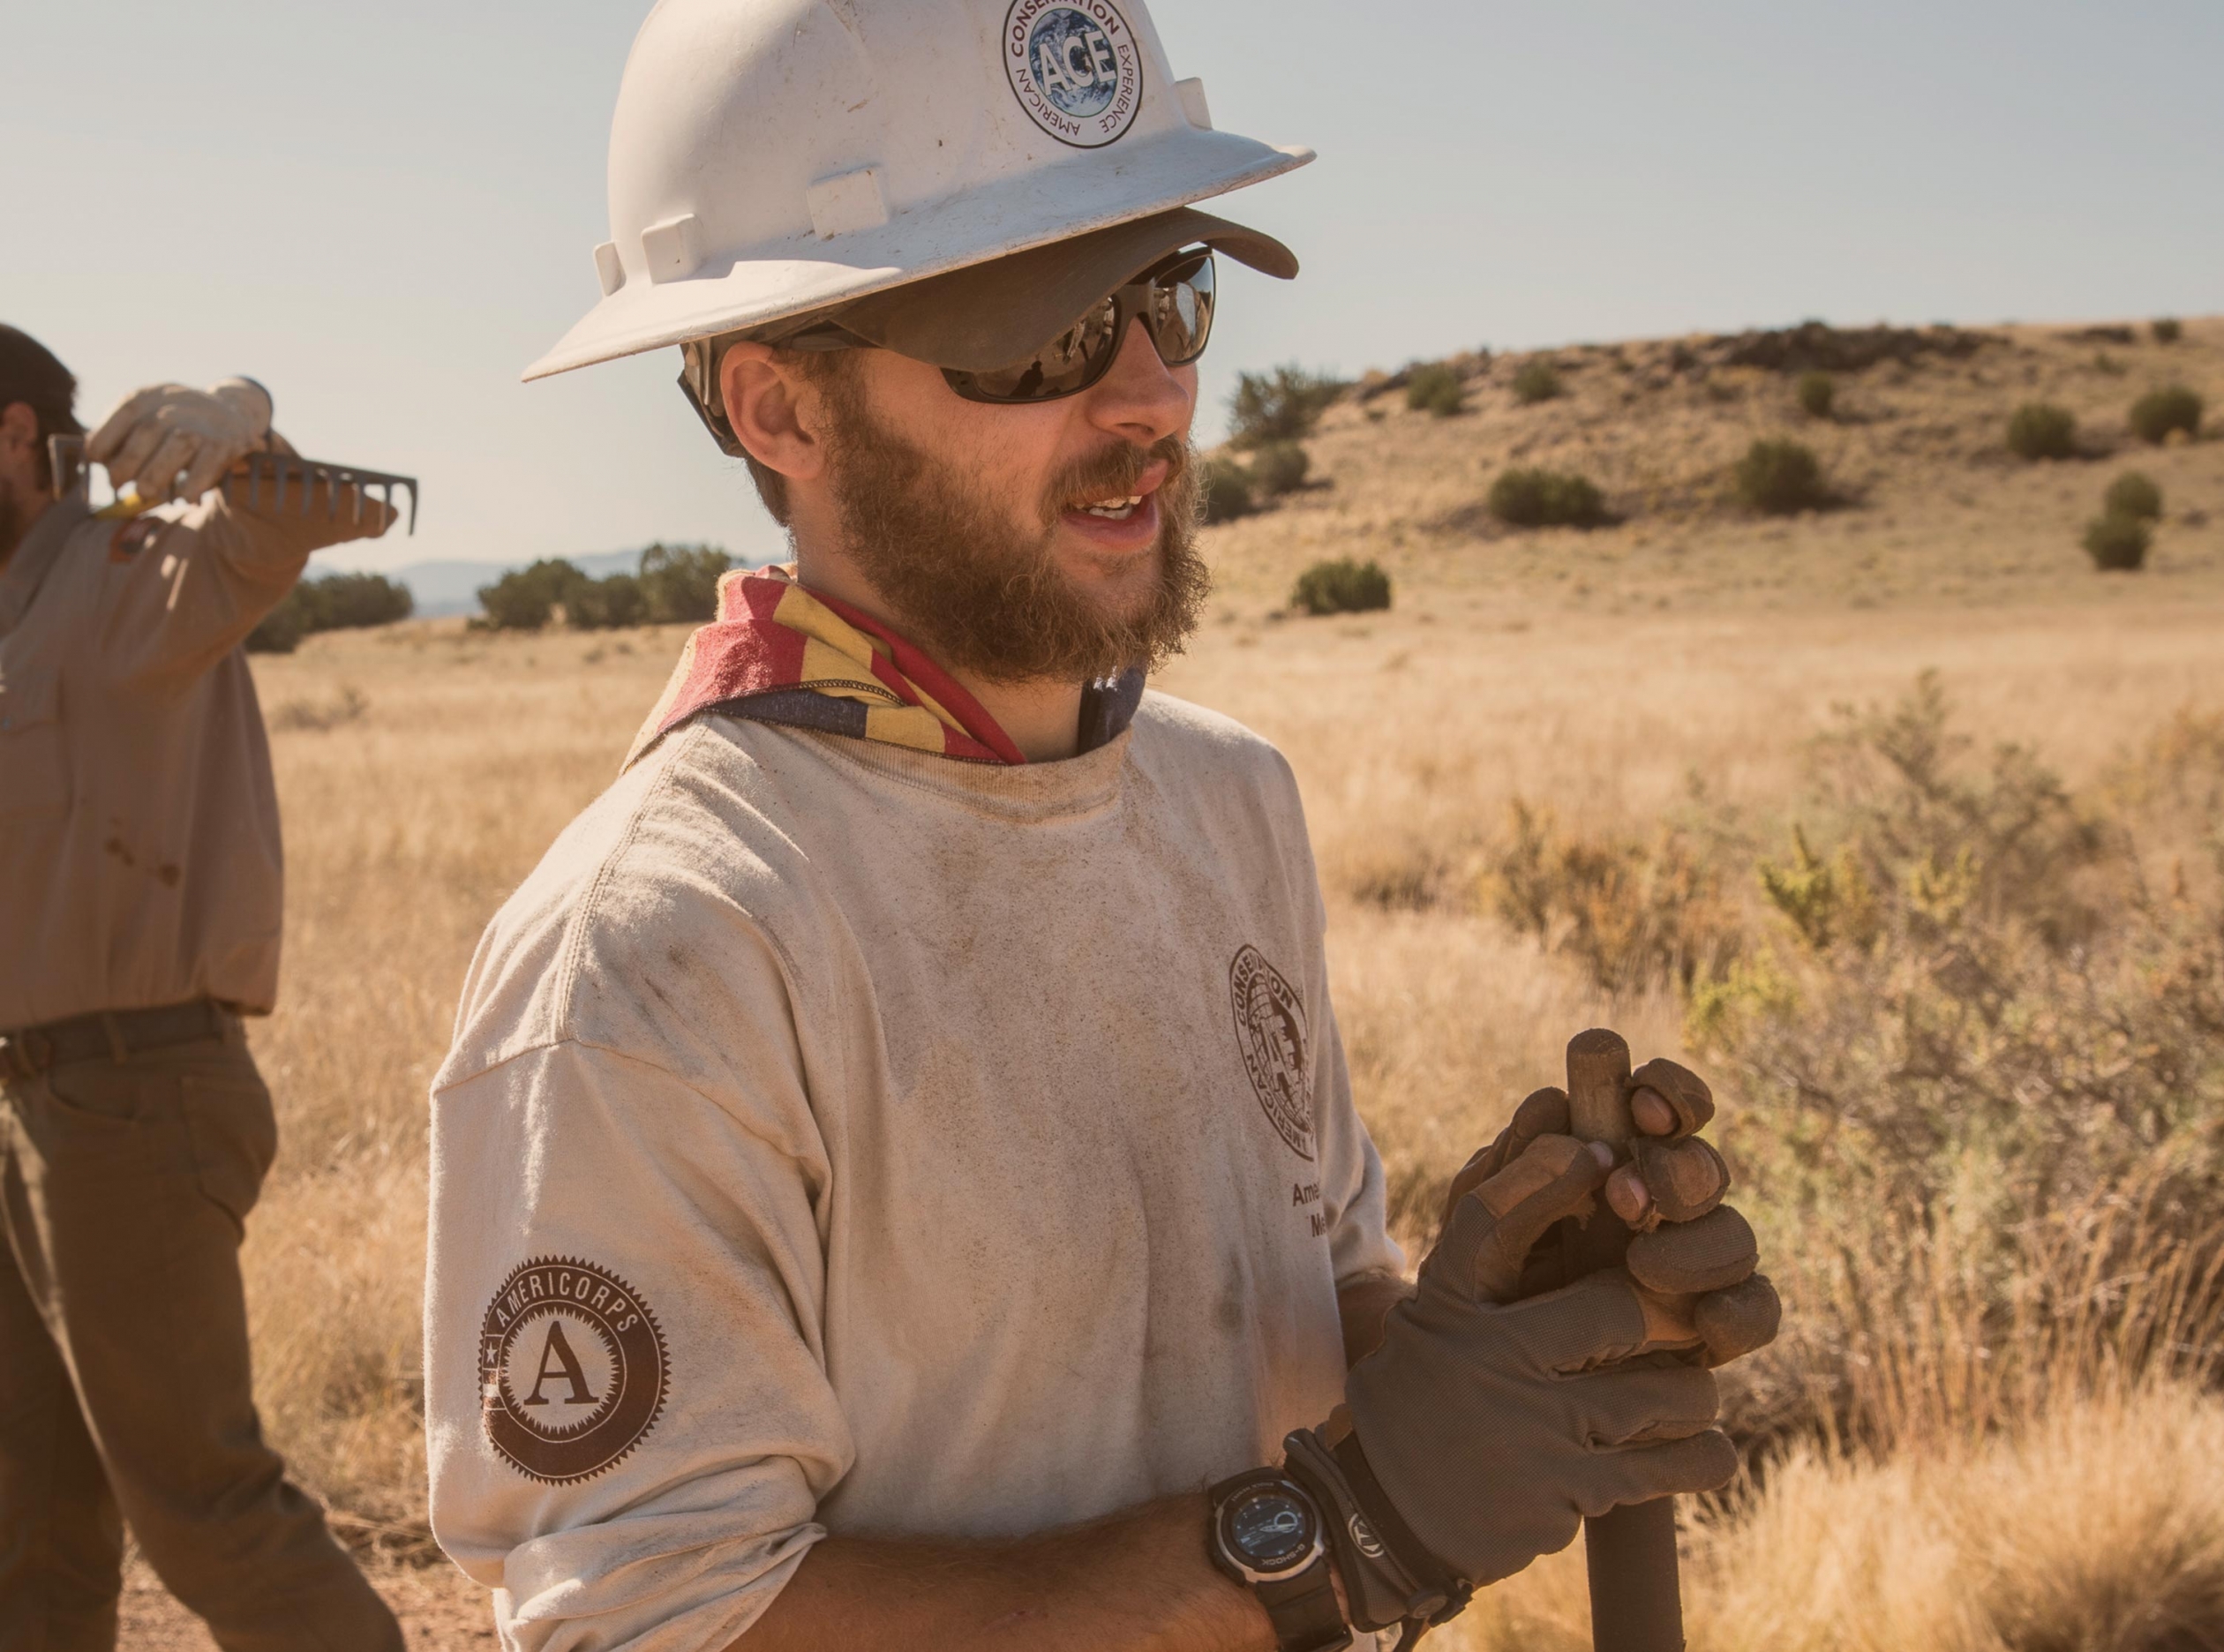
(385, 211)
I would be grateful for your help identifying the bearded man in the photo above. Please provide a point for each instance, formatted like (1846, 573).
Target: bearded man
(897, 1152)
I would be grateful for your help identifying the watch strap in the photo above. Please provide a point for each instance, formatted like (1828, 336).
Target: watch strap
(1303, 1610)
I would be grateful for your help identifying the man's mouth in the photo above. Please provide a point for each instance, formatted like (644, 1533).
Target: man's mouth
(1115, 510)
(1123, 506)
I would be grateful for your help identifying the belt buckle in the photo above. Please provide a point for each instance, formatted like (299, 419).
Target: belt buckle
(15, 1057)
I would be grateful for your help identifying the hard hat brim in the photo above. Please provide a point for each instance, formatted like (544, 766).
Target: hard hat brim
(809, 274)
(989, 315)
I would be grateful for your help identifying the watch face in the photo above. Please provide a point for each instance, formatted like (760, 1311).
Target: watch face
(1269, 1527)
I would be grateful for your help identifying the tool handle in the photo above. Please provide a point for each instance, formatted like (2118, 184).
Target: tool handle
(1636, 1594)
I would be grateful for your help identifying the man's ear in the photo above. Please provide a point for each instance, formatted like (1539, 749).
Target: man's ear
(774, 409)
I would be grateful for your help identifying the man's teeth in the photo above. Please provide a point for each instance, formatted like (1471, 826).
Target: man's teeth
(1115, 510)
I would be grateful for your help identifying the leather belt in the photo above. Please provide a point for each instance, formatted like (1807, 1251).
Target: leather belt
(113, 1035)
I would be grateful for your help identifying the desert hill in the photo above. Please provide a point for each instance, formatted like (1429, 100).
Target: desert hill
(1931, 505)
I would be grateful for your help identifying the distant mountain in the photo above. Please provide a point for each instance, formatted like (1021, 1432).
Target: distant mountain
(453, 587)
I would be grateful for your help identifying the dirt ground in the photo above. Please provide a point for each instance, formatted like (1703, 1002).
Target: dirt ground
(440, 1609)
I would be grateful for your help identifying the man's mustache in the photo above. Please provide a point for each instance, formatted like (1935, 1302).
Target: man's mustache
(1113, 473)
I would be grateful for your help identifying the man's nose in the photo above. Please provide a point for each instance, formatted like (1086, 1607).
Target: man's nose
(1141, 399)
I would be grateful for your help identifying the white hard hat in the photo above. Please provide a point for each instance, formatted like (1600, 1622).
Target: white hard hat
(773, 157)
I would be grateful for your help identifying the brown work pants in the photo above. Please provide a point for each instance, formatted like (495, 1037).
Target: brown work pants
(124, 1376)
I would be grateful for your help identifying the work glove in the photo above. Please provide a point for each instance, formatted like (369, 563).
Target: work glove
(1490, 1422)
(169, 442)
(1693, 1256)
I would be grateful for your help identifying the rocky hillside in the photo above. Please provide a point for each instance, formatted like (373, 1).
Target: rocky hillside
(1926, 502)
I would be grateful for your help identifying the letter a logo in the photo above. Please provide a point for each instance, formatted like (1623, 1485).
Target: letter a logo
(558, 1360)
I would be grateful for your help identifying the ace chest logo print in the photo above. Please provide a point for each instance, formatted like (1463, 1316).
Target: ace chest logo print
(571, 1368)
(1271, 1032)
(1075, 68)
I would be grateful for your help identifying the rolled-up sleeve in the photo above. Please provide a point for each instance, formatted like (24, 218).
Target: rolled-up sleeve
(628, 1419)
(187, 583)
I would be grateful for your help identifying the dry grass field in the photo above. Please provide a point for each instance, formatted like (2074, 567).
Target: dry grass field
(1994, 1423)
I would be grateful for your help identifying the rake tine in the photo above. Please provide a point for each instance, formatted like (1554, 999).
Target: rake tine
(283, 470)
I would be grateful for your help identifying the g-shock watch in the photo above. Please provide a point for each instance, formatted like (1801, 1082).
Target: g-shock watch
(1267, 1532)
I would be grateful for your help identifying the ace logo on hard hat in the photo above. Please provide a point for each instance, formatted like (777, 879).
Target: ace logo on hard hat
(1074, 68)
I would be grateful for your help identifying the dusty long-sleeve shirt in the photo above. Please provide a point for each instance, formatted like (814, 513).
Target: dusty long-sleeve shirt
(139, 859)
(843, 1139)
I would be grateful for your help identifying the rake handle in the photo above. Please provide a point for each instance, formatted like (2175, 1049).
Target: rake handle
(1636, 1595)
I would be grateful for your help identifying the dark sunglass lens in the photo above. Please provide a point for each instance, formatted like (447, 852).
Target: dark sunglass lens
(1182, 311)
(1060, 367)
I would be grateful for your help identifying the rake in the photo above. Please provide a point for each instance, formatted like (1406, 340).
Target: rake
(285, 476)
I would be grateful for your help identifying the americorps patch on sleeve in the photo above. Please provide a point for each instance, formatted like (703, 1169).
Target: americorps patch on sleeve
(572, 1369)
(1076, 67)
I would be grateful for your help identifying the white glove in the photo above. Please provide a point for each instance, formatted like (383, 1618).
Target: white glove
(170, 442)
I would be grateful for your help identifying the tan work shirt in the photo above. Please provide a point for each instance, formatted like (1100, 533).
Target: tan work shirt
(844, 1138)
(138, 826)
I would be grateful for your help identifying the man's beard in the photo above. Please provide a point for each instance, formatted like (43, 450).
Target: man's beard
(984, 597)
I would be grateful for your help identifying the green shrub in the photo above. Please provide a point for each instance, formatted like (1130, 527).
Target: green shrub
(1341, 587)
(1537, 498)
(681, 583)
(344, 602)
(1227, 490)
(2158, 412)
(1435, 389)
(2134, 494)
(1279, 467)
(1781, 477)
(607, 603)
(2039, 430)
(2117, 542)
(2168, 330)
(1818, 394)
(1537, 381)
(1281, 406)
(335, 602)
(522, 599)
(280, 630)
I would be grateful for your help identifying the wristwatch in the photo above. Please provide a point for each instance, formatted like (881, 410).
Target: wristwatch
(1267, 1533)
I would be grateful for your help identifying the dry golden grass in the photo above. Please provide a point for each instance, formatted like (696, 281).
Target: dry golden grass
(2095, 1526)
(423, 770)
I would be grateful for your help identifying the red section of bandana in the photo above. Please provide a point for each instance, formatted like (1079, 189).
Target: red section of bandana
(908, 671)
(747, 651)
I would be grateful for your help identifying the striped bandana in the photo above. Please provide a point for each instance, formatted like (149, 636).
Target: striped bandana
(777, 653)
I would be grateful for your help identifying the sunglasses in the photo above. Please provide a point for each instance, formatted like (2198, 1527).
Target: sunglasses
(1173, 299)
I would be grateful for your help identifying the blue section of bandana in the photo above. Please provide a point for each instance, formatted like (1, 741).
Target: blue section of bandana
(1108, 706)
